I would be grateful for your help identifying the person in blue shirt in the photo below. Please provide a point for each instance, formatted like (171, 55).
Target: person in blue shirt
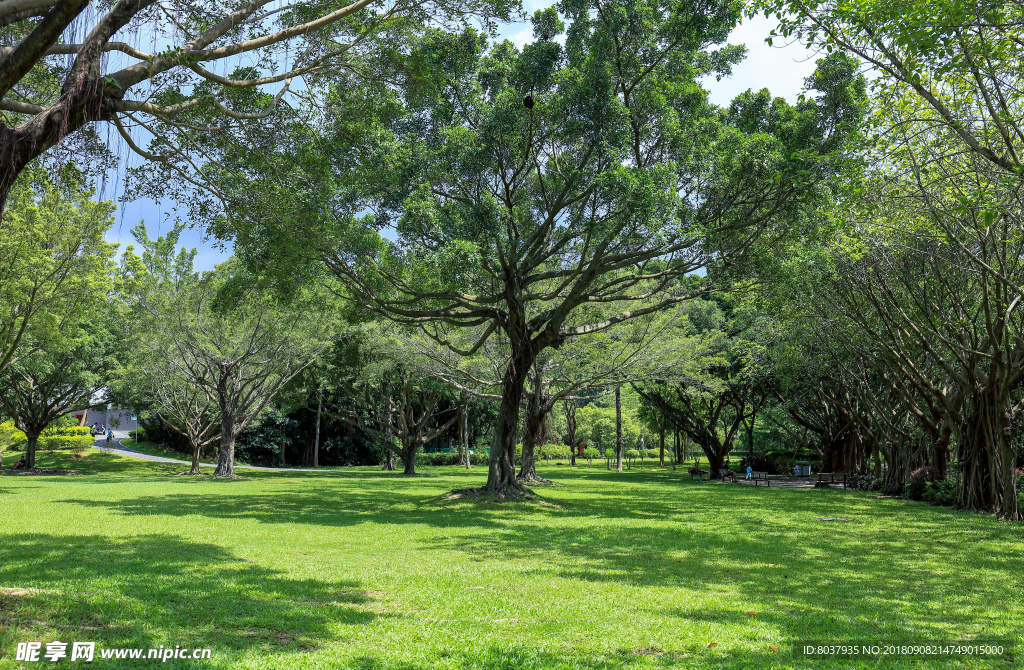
(750, 471)
(110, 436)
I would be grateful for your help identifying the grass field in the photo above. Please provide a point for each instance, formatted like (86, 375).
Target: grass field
(362, 569)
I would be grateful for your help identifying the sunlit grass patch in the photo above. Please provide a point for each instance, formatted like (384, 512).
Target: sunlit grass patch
(357, 568)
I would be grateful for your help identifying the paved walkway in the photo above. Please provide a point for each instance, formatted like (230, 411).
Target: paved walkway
(121, 450)
(779, 481)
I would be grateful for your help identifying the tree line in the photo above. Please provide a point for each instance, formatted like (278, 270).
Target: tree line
(439, 216)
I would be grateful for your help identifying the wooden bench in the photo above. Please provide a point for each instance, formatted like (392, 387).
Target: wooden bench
(699, 474)
(827, 479)
(758, 477)
(724, 474)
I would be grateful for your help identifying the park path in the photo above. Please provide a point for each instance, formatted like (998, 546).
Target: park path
(122, 450)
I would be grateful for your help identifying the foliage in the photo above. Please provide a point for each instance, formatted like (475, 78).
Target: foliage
(766, 462)
(229, 341)
(590, 453)
(77, 443)
(919, 480)
(55, 265)
(864, 482)
(450, 458)
(63, 375)
(551, 450)
(203, 86)
(596, 425)
(54, 429)
(942, 492)
(550, 192)
(261, 443)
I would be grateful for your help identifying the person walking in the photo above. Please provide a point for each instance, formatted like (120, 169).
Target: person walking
(110, 436)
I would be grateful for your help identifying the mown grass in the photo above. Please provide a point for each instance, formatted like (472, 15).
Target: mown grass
(363, 569)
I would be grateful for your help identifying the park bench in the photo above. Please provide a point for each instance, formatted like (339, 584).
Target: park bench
(826, 479)
(724, 474)
(758, 477)
(699, 474)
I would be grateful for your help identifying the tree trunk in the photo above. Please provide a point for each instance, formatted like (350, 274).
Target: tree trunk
(750, 437)
(501, 470)
(661, 442)
(463, 402)
(316, 443)
(988, 461)
(226, 453)
(940, 449)
(618, 429)
(30, 450)
(464, 422)
(534, 432)
(410, 464)
(196, 447)
(389, 438)
(716, 461)
(533, 435)
(570, 430)
(281, 436)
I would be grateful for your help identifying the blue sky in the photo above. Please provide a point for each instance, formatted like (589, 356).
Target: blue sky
(780, 69)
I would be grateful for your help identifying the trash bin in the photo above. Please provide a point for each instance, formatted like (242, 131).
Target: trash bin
(804, 468)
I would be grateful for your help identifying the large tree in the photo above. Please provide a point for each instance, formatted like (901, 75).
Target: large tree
(237, 342)
(581, 367)
(55, 379)
(526, 185)
(55, 266)
(214, 69)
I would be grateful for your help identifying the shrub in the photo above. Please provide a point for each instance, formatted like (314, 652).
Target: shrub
(609, 455)
(864, 482)
(1020, 480)
(7, 432)
(631, 455)
(942, 492)
(918, 481)
(11, 436)
(449, 458)
(440, 458)
(76, 443)
(590, 454)
(653, 453)
(762, 463)
(68, 431)
(551, 450)
(894, 488)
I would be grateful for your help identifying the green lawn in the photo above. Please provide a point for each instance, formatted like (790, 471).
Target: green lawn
(358, 568)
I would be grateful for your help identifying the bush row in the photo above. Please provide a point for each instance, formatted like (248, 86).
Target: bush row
(75, 438)
(450, 458)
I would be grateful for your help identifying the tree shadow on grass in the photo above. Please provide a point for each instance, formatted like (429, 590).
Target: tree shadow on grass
(798, 575)
(517, 657)
(153, 590)
(732, 543)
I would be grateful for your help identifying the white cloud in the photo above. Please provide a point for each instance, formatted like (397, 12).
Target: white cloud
(781, 68)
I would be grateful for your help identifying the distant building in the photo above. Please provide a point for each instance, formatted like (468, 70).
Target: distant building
(107, 415)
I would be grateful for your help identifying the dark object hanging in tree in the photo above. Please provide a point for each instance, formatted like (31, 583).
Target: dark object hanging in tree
(528, 101)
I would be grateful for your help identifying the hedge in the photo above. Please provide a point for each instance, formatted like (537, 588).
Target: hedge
(76, 443)
(449, 458)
